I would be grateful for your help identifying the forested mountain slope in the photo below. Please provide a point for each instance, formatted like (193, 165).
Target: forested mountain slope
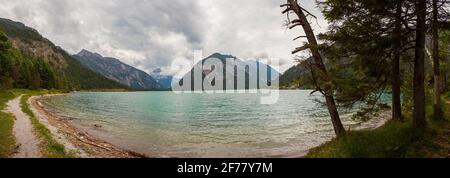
(28, 60)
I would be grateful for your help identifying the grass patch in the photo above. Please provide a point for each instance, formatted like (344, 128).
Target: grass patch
(49, 146)
(393, 140)
(446, 106)
(447, 96)
(7, 139)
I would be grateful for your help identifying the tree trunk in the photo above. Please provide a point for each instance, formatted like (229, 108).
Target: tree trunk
(444, 73)
(328, 92)
(335, 119)
(436, 66)
(396, 85)
(444, 86)
(419, 68)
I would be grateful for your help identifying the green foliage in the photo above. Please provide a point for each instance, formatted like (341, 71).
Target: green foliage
(358, 47)
(444, 47)
(20, 31)
(391, 140)
(7, 139)
(296, 77)
(49, 146)
(365, 38)
(18, 70)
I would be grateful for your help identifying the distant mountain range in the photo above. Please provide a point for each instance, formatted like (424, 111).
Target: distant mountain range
(136, 79)
(118, 71)
(272, 74)
(165, 81)
(28, 60)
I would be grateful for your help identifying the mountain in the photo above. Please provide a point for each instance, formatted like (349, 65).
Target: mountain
(28, 60)
(165, 81)
(299, 76)
(240, 66)
(118, 71)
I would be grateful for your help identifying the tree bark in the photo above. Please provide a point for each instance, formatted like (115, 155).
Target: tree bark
(328, 92)
(444, 74)
(396, 85)
(436, 64)
(444, 86)
(419, 68)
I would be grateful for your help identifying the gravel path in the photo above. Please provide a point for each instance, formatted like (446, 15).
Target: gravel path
(23, 130)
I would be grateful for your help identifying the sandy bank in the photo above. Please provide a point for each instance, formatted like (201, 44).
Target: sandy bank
(76, 140)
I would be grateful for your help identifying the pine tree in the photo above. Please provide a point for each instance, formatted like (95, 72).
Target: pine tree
(319, 72)
(367, 39)
(419, 65)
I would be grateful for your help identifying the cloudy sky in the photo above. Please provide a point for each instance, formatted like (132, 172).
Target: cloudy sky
(149, 34)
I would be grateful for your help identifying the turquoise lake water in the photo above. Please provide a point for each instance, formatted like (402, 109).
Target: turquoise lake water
(165, 124)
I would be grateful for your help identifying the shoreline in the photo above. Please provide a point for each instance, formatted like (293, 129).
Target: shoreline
(88, 146)
(74, 139)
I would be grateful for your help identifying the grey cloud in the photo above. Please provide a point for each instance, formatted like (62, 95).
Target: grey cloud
(143, 33)
(151, 33)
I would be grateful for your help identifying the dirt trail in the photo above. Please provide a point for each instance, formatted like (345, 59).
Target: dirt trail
(56, 133)
(23, 131)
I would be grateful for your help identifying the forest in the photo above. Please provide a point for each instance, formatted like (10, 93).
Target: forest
(30, 61)
(18, 71)
(373, 47)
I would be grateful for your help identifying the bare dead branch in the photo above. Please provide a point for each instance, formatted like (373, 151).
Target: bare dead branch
(299, 49)
(286, 10)
(308, 13)
(294, 25)
(299, 37)
(296, 21)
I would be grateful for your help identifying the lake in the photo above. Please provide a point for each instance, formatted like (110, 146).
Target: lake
(165, 124)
